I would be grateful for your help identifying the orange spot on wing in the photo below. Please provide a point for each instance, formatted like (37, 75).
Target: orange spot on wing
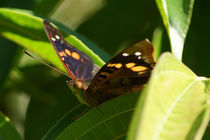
(64, 54)
(138, 68)
(129, 65)
(61, 53)
(110, 65)
(141, 72)
(67, 52)
(75, 55)
(118, 65)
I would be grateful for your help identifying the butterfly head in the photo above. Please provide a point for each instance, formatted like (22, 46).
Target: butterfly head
(78, 89)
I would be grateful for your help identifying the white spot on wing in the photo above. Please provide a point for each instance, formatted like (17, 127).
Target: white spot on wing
(139, 57)
(137, 53)
(63, 58)
(57, 36)
(53, 39)
(125, 54)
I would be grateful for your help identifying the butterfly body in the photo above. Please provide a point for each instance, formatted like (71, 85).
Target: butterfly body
(127, 72)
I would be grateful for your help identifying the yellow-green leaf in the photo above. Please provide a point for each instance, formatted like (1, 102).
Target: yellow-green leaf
(175, 105)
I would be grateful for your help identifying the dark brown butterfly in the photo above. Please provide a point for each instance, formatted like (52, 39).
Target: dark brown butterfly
(127, 72)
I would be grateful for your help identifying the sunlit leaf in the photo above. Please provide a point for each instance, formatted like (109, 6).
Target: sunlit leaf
(25, 29)
(112, 124)
(176, 15)
(175, 105)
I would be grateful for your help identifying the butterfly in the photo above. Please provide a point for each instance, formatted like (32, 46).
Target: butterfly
(127, 72)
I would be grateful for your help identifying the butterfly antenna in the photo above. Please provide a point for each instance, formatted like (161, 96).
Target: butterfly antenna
(46, 64)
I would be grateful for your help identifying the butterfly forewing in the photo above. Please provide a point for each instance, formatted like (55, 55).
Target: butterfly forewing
(78, 64)
(126, 72)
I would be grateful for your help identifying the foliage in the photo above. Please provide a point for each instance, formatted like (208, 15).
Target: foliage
(174, 105)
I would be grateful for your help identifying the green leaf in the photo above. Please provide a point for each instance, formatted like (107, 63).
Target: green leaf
(195, 56)
(65, 121)
(25, 29)
(45, 7)
(112, 124)
(157, 41)
(7, 131)
(120, 23)
(175, 104)
(8, 57)
(50, 98)
(176, 15)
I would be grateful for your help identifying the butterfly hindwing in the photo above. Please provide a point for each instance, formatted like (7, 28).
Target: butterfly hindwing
(78, 64)
(126, 72)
